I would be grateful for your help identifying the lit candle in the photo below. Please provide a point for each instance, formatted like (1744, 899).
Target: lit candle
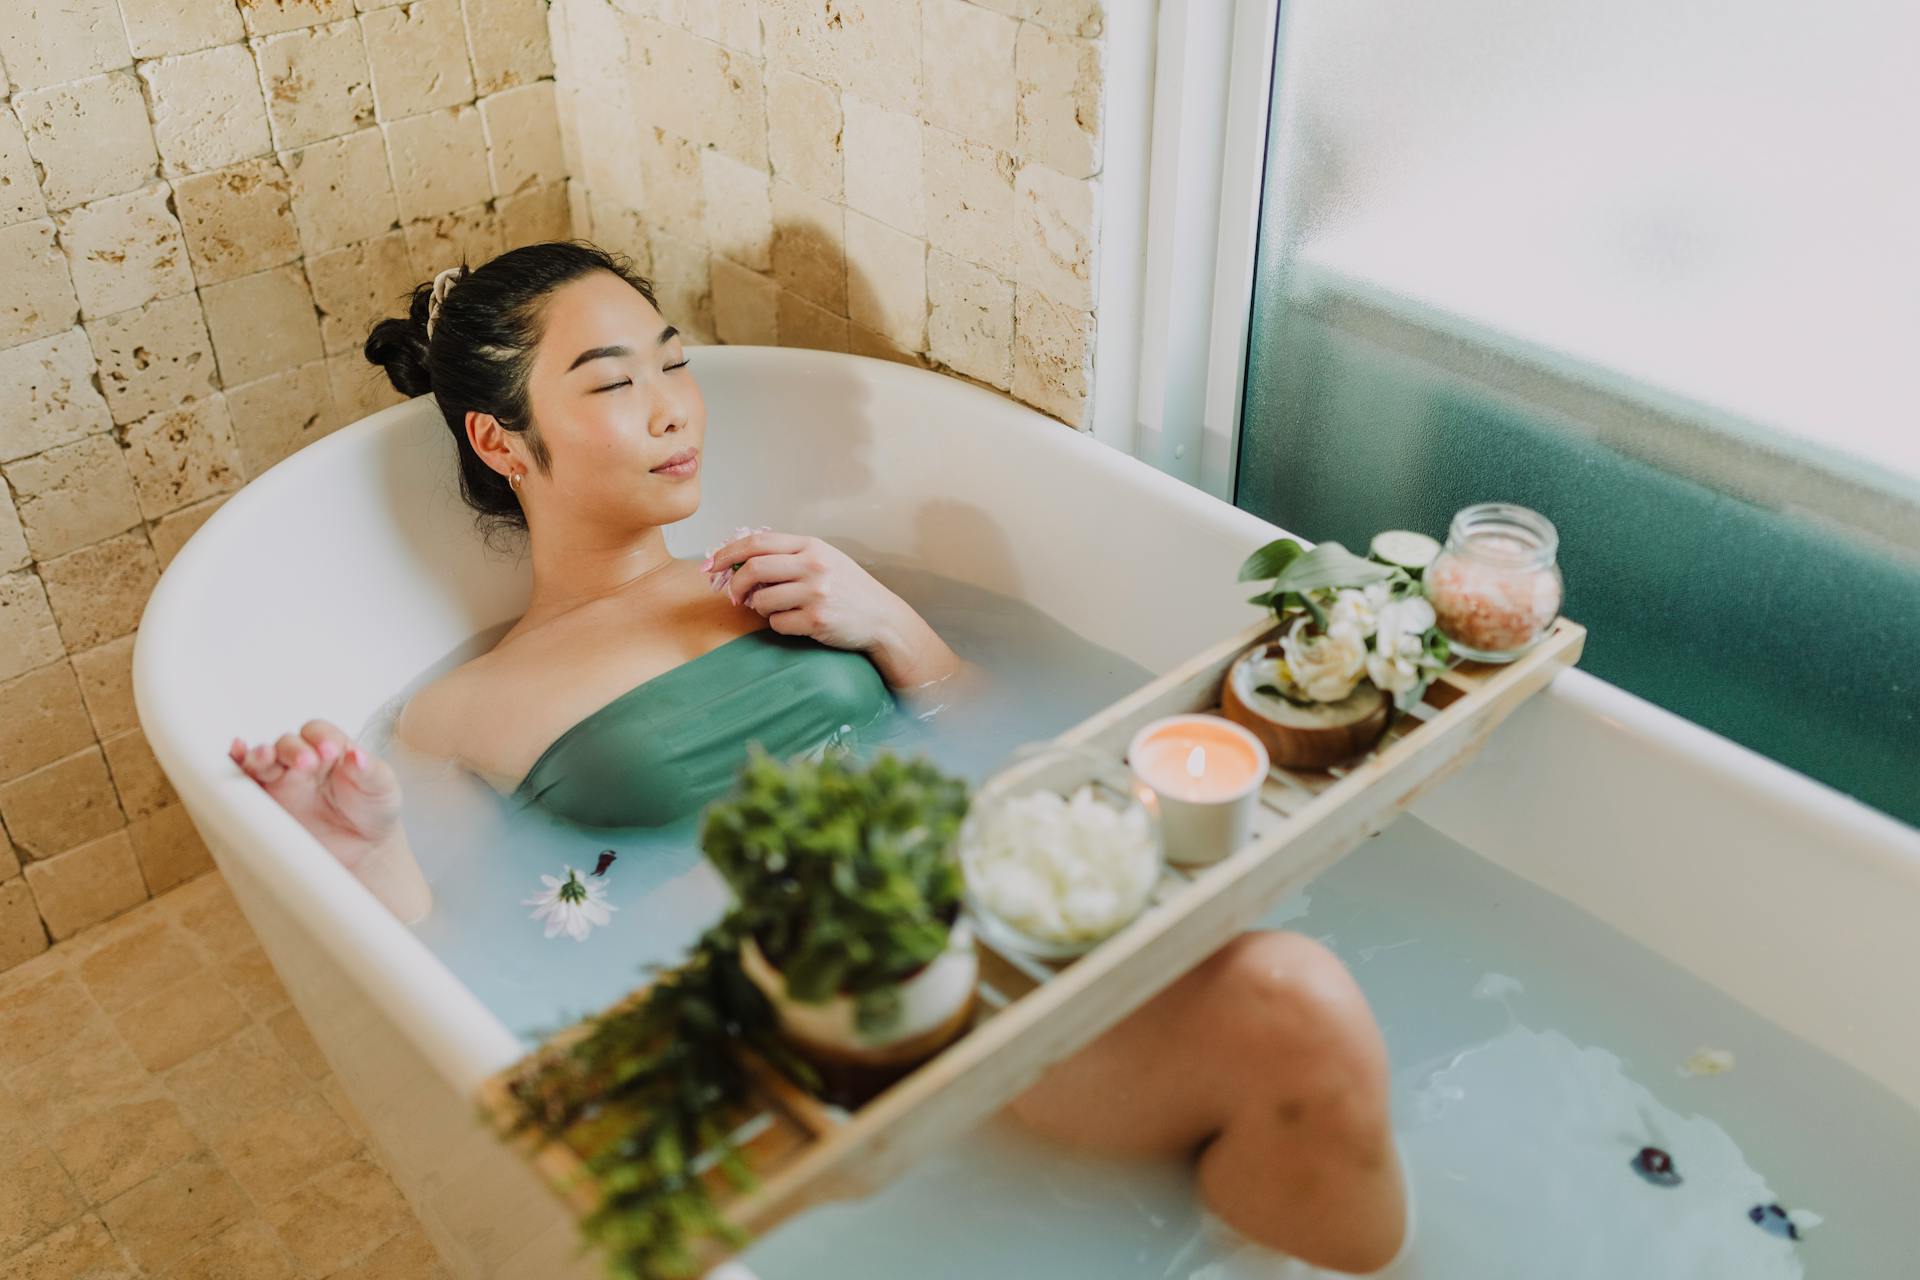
(1207, 772)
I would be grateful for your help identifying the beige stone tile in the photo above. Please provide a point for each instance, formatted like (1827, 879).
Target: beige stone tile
(20, 198)
(318, 83)
(237, 1079)
(274, 1150)
(802, 324)
(48, 389)
(194, 1013)
(970, 321)
(739, 211)
(262, 324)
(358, 286)
(122, 1144)
(1057, 230)
(183, 456)
(176, 1212)
(334, 1218)
(13, 539)
(734, 23)
(619, 230)
(40, 1013)
(81, 1250)
(250, 976)
(47, 42)
(867, 47)
(1059, 100)
(206, 108)
(169, 849)
(248, 1250)
(153, 357)
(419, 58)
(160, 28)
(35, 1193)
(1052, 355)
(683, 283)
(22, 934)
(676, 192)
(970, 201)
(291, 1030)
(523, 138)
(91, 138)
(887, 282)
(57, 807)
(237, 220)
(695, 89)
(36, 289)
(9, 861)
(135, 958)
(439, 162)
(29, 637)
(745, 306)
(470, 235)
(510, 42)
(408, 1256)
(74, 495)
(137, 777)
(86, 885)
(278, 416)
(810, 247)
(1071, 17)
(106, 682)
(42, 719)
(804, 133)
(612, 135)
(359, 389)
(207, 909)
(535, 216)
(170, 533)
(865, 342)
(969, 83)
(884, 165)
(97, 592)
(342, 191)
(124, 251)
(288, 15)
(92, 1070)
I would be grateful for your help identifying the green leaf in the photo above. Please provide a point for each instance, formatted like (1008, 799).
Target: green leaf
(1270, 560)
(1329, 565)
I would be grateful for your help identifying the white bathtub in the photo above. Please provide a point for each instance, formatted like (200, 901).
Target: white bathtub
(328, 583)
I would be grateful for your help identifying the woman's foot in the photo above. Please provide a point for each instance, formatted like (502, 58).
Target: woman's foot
(347, 799)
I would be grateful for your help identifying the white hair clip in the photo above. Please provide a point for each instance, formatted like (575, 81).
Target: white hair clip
(442, 285)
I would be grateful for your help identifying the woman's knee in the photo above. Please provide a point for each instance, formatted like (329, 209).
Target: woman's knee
(1300, 1012)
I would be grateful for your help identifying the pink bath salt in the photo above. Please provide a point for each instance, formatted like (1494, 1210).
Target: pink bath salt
(1494, 608)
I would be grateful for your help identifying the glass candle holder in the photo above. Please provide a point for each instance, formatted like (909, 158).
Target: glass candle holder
(1059, 850)
(1495, 586)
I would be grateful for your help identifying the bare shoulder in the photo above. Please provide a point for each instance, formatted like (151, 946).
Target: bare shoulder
(435, 719)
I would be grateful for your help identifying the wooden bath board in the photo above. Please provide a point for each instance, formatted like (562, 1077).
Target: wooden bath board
(803, 1153)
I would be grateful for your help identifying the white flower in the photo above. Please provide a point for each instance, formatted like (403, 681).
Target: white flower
(1324, 667)
(1395, 674)
(1403, 625)
(572, 906)
(1352, 613)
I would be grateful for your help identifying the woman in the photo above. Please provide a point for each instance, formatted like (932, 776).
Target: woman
(575, 415)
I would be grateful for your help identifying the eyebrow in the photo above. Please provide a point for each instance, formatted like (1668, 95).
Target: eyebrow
(667, 335)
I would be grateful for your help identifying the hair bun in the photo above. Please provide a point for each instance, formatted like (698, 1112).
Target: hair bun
(399, 345)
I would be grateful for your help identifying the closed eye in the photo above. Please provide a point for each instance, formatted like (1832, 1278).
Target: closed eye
(683, 364)
(614, 386)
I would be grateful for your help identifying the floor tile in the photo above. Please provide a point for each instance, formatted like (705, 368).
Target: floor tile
(146, 953)
(292, 1030)
(193, 1014)
(38, 1017)
(243, 1075)
(81, 1250)
(173, 1213)
(274, 1151)
(246, 1251)
(93, 1070)
(122, 1145)
(205, 907)
(36, 1195)
(339, 1216)
(250, 976)
(408, 1256)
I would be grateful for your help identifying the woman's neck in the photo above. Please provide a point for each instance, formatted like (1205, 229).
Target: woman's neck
(575, 565)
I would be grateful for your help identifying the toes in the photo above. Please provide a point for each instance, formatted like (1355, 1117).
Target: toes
(367, 772)
(261, 765)
(237, 752)
(326, 738)
(293, 752)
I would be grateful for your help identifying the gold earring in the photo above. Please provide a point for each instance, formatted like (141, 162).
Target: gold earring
(513, 481)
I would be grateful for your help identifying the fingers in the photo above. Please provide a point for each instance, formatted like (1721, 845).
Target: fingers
(765, 570)
(758, 544)
(781, 597)
(795, 622)
(326, 739)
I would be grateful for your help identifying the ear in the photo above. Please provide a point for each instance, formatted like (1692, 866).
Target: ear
(494, 443)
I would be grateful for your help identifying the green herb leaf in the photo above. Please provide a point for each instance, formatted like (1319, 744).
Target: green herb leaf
(1329, 565)
(1270, 560)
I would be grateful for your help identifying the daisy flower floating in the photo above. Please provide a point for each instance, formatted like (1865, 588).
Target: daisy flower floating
(571, 906)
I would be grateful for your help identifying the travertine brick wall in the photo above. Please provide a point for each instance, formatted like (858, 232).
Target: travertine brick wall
(203, 205)
(914, 179)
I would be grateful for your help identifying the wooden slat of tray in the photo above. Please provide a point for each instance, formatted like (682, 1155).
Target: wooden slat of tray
(1032, 1014)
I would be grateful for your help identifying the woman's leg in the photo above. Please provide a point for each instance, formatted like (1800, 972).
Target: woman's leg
(1266, 1062)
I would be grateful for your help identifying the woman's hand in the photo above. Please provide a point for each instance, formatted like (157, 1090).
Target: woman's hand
(806, 587)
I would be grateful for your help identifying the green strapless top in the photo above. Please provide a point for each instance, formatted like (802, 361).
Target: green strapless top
(663, 749)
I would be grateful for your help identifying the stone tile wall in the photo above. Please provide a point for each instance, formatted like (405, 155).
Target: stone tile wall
(203, 205)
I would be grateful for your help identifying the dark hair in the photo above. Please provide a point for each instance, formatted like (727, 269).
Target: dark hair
(481, 351)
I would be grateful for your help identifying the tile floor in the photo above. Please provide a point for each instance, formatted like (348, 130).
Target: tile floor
(164, 1115)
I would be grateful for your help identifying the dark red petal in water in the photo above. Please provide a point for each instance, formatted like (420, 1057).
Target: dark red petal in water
(606, 860)
(1656, 1166)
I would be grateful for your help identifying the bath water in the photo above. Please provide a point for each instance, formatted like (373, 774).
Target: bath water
(1535, 1051)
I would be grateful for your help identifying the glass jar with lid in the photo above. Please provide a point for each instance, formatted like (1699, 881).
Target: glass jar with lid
(1495, 586)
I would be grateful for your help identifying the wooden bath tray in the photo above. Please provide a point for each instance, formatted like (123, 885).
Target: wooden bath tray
(804, 1153)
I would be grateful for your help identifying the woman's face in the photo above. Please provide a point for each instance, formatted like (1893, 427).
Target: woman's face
(621, 416)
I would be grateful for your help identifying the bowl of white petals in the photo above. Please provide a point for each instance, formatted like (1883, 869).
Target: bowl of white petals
(1060, 850)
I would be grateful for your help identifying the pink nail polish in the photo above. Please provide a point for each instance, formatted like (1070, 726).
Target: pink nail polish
(357, 758)
(329, 752)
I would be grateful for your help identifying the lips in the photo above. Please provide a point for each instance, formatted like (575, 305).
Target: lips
(684, 463)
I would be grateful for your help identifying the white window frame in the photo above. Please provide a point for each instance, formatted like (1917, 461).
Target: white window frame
(1187, 89)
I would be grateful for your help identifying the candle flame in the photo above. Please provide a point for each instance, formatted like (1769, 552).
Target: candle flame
(1196, 762)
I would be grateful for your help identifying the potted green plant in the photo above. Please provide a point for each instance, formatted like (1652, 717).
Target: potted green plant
(1357, 641)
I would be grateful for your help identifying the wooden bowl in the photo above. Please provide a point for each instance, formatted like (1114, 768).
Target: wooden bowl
(1314, 737)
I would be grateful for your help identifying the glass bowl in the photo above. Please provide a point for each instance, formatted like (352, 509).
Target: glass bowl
(1054, 879)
